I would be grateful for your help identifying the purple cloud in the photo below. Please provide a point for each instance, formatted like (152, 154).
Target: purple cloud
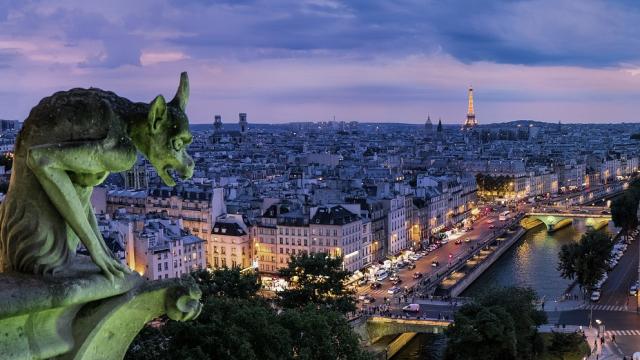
(286, 60)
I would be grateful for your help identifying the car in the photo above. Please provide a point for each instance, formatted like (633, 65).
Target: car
(435, 263)
(393, 277)
(458, 242)
(393, 290)
(401, 264)
(375, 285)
(362, 297)
(417, 275)
(413, 257)
(633, 290)
(362, 282)
(470, 228)
(595, 296)
(467, 240)
(369, 299)
(411, 308)
(397, 281)
(411, 267)
(492, 226)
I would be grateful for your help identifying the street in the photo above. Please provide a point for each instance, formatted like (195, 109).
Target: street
(481, 230)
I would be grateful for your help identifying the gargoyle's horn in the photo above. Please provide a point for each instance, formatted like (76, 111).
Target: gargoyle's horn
(182, 95)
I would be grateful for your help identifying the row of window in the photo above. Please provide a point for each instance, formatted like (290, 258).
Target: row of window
(223, 250)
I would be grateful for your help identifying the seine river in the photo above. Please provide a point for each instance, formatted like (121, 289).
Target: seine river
(531, 262)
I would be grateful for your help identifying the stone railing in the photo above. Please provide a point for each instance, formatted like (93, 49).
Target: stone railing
(79, 314)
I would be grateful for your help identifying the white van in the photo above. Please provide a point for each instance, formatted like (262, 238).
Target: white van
(381, 275)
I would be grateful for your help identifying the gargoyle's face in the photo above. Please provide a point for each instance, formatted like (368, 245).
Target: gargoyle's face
(169, 135)
(168, 150)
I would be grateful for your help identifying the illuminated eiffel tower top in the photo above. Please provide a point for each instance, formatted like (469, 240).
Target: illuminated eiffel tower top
(471, 116)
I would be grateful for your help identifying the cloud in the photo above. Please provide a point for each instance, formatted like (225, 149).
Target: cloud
(309, 59)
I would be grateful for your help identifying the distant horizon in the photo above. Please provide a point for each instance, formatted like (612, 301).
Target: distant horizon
(435, 123)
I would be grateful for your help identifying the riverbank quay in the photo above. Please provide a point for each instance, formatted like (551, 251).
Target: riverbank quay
(433, 285)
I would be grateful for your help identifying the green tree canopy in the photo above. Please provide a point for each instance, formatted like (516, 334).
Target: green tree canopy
(227, 282)
(498, 324)
(624, 211)
(316, 279)
(237, 324)
(586, 260)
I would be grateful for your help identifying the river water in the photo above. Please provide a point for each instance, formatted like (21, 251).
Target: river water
(531, 262)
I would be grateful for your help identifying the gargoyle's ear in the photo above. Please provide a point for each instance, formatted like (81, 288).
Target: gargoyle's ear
(157, 113)
(182, 95)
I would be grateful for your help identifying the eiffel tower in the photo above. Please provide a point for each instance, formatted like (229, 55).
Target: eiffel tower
(471, 116)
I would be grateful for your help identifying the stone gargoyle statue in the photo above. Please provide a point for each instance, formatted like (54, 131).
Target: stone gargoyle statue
(70, 143)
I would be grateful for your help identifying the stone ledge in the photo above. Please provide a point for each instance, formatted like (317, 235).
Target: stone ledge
(79, 314)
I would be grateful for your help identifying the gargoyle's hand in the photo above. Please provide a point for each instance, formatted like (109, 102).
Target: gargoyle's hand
(110, 267)
(183, 302)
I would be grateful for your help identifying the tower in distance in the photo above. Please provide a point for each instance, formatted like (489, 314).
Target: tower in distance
(471, 121)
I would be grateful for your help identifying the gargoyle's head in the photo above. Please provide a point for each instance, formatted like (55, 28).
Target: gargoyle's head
(170, 135)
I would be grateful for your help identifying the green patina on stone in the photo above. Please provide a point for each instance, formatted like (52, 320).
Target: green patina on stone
(70, 143)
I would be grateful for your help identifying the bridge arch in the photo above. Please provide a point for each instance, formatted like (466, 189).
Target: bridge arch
(551, 222)
(378, 327)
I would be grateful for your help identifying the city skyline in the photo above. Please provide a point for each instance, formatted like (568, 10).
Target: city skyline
(290, 61)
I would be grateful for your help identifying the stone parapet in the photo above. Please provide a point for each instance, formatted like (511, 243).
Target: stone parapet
(79, 314)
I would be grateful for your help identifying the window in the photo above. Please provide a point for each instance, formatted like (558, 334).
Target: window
(280, 241)
(305, 242)
(166, 266)
(280, 250)
(159, 266)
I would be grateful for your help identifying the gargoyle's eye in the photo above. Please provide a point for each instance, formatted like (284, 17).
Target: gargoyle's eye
(177, 144)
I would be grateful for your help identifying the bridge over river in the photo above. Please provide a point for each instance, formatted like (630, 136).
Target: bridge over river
(556, 218)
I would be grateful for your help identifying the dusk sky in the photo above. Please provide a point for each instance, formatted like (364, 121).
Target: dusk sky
(308, 60)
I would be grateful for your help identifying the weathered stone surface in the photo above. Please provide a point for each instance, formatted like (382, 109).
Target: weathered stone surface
(54, 303)
(79, 314)
(70, 142)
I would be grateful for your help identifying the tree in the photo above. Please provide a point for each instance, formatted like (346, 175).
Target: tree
(226, 282)
(499, 324)
(316, 279)
(586, 261)
(624, 211)
(228, 328)
(237, 324)
(321, 334)
(488, 333)
(562, 344)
